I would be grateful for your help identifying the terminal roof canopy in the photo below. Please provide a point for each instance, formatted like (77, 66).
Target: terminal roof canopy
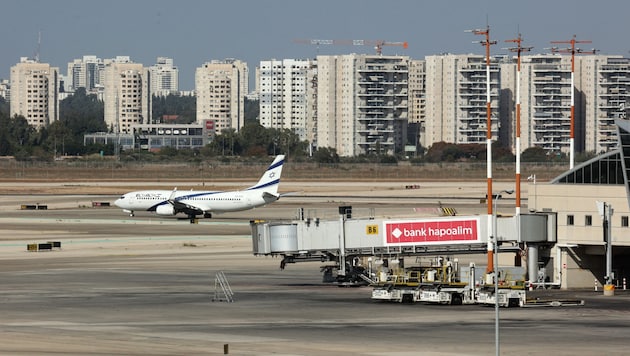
(610, 168)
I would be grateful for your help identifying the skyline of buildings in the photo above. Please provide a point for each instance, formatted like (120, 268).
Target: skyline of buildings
(358, 103)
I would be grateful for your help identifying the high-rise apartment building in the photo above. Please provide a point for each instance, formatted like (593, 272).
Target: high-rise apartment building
(164, 77)
(417, 100)
(5, 89)
(282, 89)
(546, 103)
(88, 73)
(456, 101)
(34, 92)
(221, 87)
(362, 103)
(127, 97)
(604, 83)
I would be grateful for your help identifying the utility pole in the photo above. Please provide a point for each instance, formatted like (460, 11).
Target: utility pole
(518, 49)
(487, 43)
(606, 212)
(573, 51)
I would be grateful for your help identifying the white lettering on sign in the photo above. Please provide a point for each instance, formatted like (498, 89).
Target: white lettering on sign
(432, 231)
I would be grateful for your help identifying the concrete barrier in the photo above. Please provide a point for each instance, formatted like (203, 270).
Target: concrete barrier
(44, 246)
(33, 207)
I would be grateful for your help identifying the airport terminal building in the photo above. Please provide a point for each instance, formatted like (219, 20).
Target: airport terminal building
(578, 258)
(576, 233)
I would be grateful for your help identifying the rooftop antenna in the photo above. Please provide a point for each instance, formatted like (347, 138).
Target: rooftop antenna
(39, 45)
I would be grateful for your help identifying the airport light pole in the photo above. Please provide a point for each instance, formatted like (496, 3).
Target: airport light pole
(573, 51)
(487, 43)
(496, 271)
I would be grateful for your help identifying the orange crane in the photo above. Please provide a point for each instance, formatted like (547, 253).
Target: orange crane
(378, 44)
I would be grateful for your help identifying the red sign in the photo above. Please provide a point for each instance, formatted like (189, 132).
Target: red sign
(432, 231)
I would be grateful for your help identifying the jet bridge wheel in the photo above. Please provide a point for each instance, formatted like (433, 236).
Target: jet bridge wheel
(456, 299)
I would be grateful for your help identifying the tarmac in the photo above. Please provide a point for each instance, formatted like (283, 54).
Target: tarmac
(147, 285)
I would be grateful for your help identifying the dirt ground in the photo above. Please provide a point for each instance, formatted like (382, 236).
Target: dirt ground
(77, 177)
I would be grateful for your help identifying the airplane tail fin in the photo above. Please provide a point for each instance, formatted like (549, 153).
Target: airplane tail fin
(271, 178)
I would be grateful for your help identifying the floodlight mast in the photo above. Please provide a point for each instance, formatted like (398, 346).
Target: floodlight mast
(487, 43)
(573, 51)
(518, 49)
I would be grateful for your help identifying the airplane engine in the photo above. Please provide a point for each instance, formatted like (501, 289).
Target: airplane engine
(166, 209)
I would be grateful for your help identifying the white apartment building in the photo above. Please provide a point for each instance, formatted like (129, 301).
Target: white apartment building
(282, 86)
(456, 101)
(546, 104)
(34, 92)
(164, 77)
(417, 100)
(362, 103)
(221, 87)
(127, 98)
(88, 73)
(5, 89)
(605, 84)
(601, 90)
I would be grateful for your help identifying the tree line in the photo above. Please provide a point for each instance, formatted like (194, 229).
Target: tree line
(83, 113)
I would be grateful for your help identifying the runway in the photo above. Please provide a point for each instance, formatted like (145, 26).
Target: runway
(145, 285)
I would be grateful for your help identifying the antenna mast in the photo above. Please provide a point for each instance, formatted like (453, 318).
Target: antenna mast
(518, 49)
(39, 45)
(487, 43)
(573, 51)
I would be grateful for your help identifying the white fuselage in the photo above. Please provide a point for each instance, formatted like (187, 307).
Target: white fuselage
(209, 201)
(205, 203)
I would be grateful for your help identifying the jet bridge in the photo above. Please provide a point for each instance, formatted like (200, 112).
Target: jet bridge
(345, 239)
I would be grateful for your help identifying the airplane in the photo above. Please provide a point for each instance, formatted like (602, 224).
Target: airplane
(194, 203)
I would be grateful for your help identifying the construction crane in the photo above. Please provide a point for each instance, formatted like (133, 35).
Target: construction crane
(378, 44)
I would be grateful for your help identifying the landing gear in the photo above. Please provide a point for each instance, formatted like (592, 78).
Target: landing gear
(132, 214)
(207, 215)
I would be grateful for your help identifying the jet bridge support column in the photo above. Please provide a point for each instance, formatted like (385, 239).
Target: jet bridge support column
(343, 212)
(532, 263)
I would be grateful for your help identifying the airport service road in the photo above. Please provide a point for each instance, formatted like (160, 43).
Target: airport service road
(157, 300)
(144, 286)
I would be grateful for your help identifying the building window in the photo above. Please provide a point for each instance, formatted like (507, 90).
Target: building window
(624, 221)
(570, 220)
(588, 220)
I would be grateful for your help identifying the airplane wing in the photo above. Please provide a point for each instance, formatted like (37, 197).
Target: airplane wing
(187, 209)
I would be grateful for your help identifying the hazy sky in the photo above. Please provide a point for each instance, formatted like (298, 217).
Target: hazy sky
(193, 32)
